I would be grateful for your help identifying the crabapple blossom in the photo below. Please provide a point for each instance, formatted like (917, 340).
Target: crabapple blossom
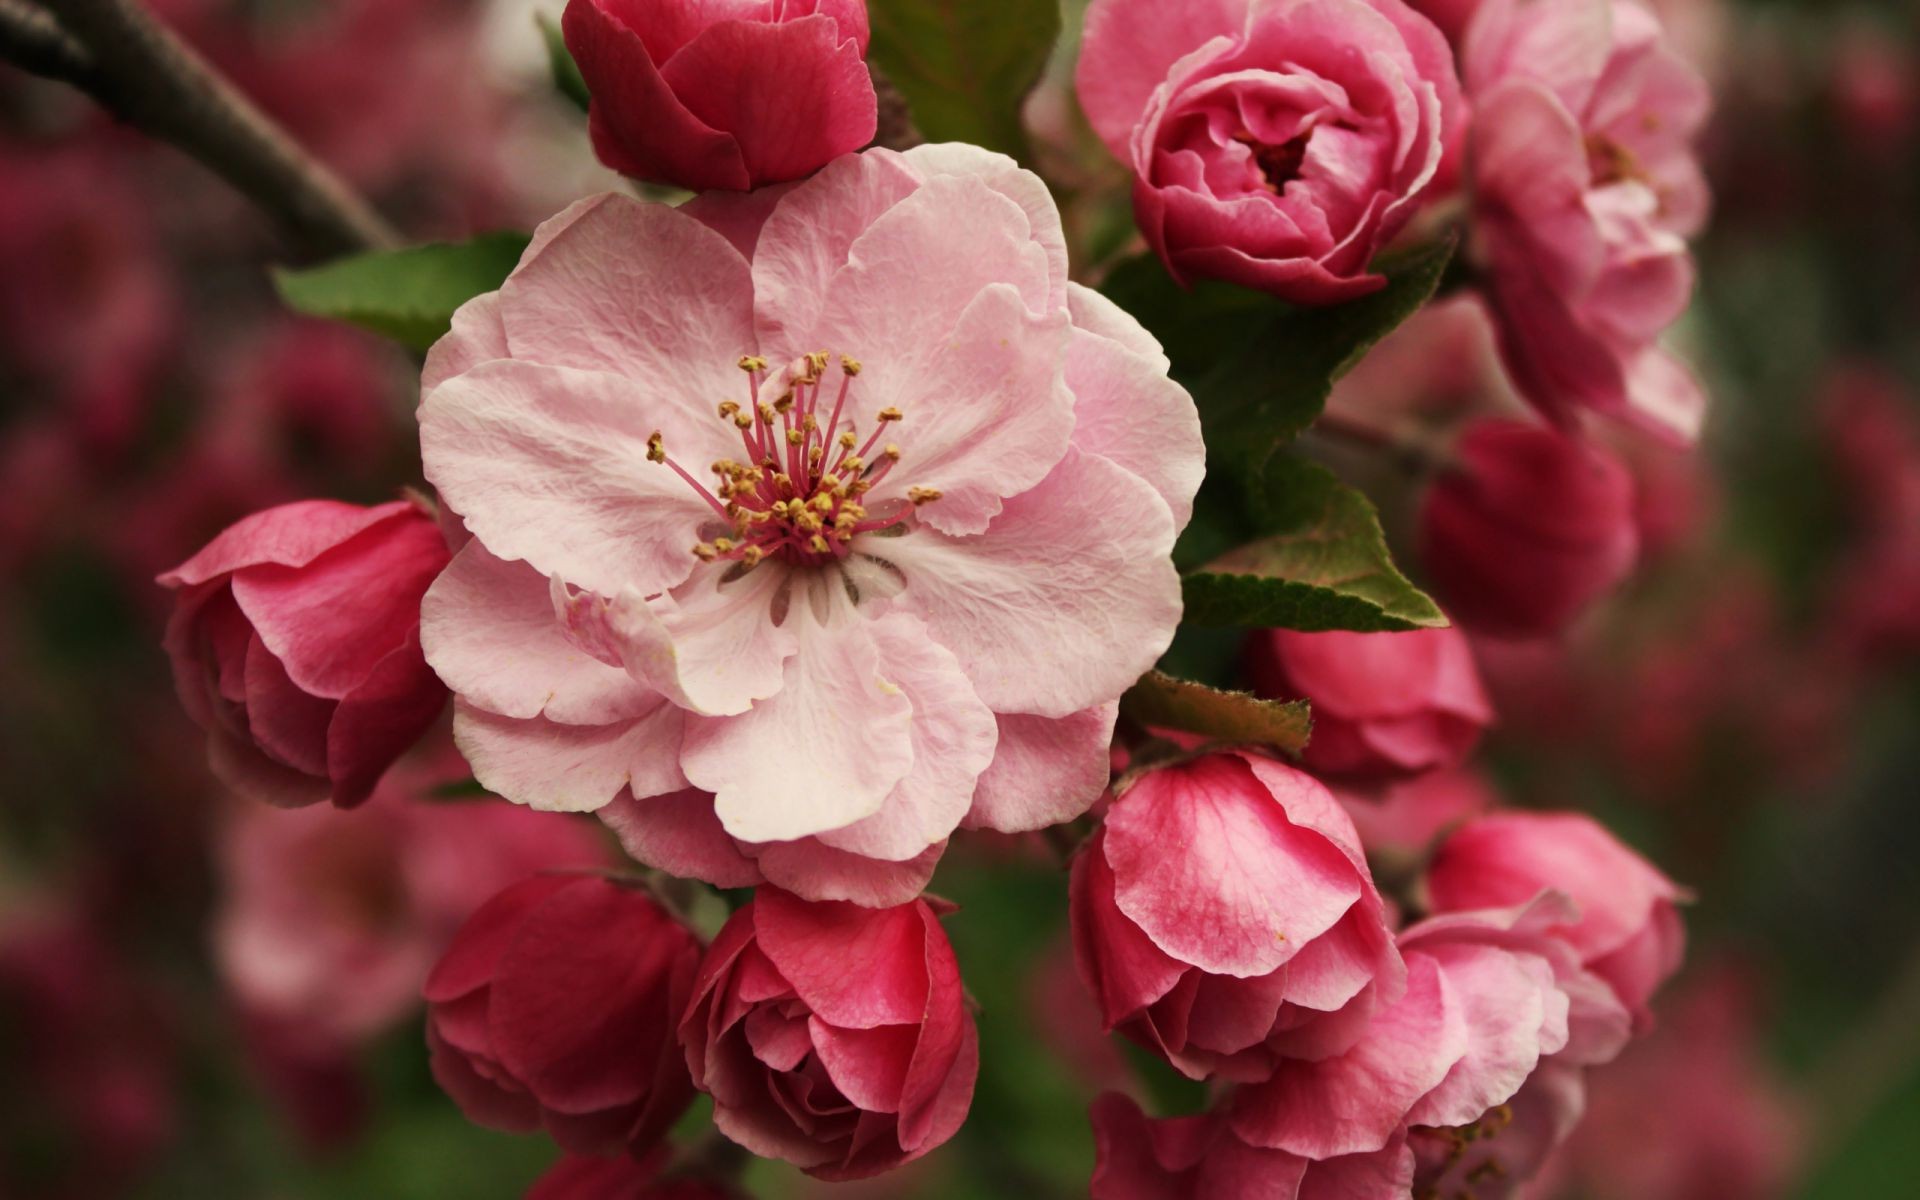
(556, 1007)
(1585, 188)
(1224, 917)
(838, 504)
(295, 642)
(1626, 924)
(1278, 145)
(1385, 705)
(833, 1036)
(723, 93)
(1527, 528)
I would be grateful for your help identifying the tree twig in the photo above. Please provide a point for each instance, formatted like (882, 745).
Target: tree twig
(116, 52)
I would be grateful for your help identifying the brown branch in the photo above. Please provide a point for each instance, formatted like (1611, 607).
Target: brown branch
(116, 52)
(896, 128)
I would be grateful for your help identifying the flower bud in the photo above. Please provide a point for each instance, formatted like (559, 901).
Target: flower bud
(556, 1006)
(723, 95)
(295, 641)
(832, 1036)
(1385, 705)
(1527, 530)
(1224, 917)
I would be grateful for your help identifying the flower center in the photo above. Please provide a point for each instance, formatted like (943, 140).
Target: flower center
(798, 492)
(1279, 165)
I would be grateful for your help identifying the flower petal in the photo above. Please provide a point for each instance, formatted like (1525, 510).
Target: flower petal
(570, 768)
(1045, 770)
(1128, 411)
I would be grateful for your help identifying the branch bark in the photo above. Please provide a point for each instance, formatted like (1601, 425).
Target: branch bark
(116, 52)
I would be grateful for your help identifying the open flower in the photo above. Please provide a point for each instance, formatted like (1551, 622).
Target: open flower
(1585, 188)
(1278, 145)
(838, 504)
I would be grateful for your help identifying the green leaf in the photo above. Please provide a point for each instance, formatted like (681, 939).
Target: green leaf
(1261, 371)
(1163, 702)
(1320, 562)
(408, 295)
(965, 66)
(567, 79)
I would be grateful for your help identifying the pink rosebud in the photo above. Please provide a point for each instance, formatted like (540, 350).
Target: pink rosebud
(1274, 145)
(1202, 1158)
(1385, 705)
(621, 1178)
(556, 1006)
(295, 641)
(832, 1036)
(1491, 997)
(1585, 189)
(1627, 928)
(1527, 529)
(1225, 917)
(730, 94)
(895, 625)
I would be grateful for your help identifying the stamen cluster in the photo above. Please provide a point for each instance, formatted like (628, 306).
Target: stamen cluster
(798, 493)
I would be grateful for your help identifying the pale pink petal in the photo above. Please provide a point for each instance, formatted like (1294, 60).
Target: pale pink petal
(476, 336)
(952, 736)
(1125, 409)
(678, 833)
(1504, 999)
(1093, 312)
(570, 768)
(711, 644)
(640, 290)
(1064, 602)
(1017, 184)
(821, 754)
(1045, 770)
(489, 629)
(496, 440)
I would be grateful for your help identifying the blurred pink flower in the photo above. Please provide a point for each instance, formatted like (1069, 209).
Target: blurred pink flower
(885, 620)
(329, 921)
(295, 642)
(833, 1036)
(1406, 816)
(1585, 188)
(1276, 145)
(1224, 917)
(1502, 1154)
(1526, 529)
(1385, 705)
(730, 94)
(1625, 923)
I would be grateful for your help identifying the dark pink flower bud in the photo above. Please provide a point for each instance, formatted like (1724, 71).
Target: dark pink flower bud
(1274, 145)
(1224, 917)
(729, 94)
(1202, 1158)
(295, 642)
(556, 1006)
(1527, 529)
(833, 1036)
(1626, 928)
(1385, 705)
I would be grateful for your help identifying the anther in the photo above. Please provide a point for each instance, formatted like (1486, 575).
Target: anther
(922, 495)
(727, 409)
(752, 555)
(753, 362)
(850, 365)
(889, 414)
(818, 545)
(705, 553)
(656, 448)
(892, 452)
(795, 437)
(848, 441)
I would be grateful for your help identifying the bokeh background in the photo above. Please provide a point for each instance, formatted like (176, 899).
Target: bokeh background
(199, 998)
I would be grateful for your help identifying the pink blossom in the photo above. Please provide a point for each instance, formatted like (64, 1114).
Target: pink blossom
(1626, 923)
(295, 641)
(1499, 1156)
(1277, 145)
(1491, 997)
(556, 1006)
(1385, 705)
(1526, 529)
(882, 615)
(832, 1036)
(1406, 816)
(723, 93)
(1224, 917)
(328, 921)
(1585, 189)
(1202, 1158)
